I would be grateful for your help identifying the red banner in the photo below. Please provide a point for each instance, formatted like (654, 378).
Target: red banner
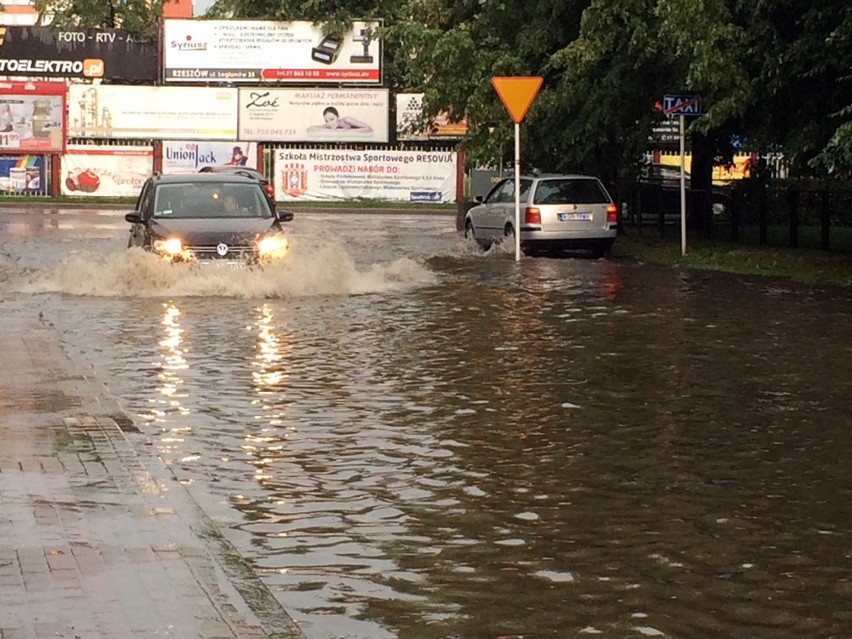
(32, 117)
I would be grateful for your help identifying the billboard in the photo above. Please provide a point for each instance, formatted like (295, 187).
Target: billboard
(401, 176)
(412, 124)
(146, 112)
(256, 51)
(308, 115)
(191, 157)
(51, 52)
(114, 171)
(32, 117)
(22, 174)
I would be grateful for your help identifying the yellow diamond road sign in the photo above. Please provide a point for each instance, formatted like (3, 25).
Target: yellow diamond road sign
(517, 93)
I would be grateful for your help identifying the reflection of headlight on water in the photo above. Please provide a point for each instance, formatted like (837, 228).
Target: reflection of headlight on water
(272, 247)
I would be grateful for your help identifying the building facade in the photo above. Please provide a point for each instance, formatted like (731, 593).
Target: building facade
(18, 12)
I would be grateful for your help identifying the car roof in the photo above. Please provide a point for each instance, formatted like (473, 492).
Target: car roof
(204, 178)
(550, 176)
(228, 168)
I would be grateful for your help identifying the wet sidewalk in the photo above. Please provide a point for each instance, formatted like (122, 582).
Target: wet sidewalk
(97, 539)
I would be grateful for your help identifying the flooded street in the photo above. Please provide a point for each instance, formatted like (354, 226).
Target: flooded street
(409, 438)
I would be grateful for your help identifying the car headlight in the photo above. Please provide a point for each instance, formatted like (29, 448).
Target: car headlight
(170, 246)
(272, 246)
(172, 250)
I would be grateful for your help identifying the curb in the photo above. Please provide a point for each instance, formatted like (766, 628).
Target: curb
(87, 499)
(273, 618)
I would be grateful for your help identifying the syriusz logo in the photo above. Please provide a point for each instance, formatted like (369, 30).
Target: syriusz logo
(188, 44)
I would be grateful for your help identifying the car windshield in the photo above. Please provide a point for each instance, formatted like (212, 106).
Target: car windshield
(570, 191)
(213, 199)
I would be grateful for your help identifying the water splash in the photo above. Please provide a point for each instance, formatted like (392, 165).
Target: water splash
(324, 270)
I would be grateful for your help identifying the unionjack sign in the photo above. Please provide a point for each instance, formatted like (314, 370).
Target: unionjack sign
(191, 157)
(32, 117)
(402, 176)
(257, 51)
(51, 52)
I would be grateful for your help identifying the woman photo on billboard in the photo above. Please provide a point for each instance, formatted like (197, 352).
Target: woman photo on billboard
(333, 121)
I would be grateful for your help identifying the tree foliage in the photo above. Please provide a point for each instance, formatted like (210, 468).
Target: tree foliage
(139, 17)
(772, 75)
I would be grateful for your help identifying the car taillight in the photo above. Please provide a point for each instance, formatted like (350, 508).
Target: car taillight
(612, 213)
(532, 215)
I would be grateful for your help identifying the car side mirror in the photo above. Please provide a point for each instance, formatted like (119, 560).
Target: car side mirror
(284, 216)
(479, 199)
(134, 217)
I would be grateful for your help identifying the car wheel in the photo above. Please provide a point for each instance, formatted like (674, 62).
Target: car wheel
(509, 235)
(470, 234)
(468, 230)
(527, 248)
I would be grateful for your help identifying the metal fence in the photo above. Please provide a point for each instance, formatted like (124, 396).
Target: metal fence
(789, 213)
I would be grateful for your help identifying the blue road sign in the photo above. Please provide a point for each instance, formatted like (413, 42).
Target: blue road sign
(681, 105)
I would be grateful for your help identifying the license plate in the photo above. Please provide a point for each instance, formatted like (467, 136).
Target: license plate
(575, 217)
(222, 264)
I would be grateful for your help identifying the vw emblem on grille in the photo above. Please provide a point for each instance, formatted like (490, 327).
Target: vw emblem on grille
(222, 249)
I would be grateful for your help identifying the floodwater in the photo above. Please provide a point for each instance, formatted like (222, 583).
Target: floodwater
(409, 438)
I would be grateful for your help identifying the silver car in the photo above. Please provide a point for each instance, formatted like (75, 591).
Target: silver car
(558, 213)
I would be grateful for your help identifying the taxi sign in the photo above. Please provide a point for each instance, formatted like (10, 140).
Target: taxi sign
(517, 93)
(681, 105)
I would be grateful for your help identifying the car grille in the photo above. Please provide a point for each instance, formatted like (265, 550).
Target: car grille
(240, 252)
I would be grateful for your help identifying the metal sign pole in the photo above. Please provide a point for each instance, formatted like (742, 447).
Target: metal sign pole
(517, 94)
(517, 191)
(682, 188)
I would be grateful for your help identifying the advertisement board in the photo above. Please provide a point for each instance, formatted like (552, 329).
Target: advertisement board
(412, 123)
(22, 174)
(256, 51)
(331, 174)
(309, 115)
(191, 157)
(115, 171)
(32, 117)
(483, 180)
(51, 52)
(152, 112)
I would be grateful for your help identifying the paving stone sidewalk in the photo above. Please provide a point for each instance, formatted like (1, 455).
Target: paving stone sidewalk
(97, 539)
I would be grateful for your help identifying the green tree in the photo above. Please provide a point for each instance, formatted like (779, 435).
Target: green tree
(777, 75)
(139, 17)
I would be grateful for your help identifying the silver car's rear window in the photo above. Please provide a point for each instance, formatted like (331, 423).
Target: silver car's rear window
(570, 191)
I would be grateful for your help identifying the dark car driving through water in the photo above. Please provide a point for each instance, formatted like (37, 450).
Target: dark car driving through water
(206, 217)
